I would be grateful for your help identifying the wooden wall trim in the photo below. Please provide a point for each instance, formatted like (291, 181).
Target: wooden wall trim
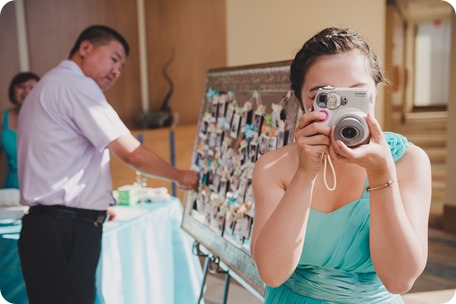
(449, 216)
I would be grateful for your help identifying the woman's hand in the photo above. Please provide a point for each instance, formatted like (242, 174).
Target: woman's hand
(374, 156)
(312, 138)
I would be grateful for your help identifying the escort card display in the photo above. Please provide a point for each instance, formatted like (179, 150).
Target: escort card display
(245, 112)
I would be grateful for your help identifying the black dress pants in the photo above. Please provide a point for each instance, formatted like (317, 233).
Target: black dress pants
(59, 258)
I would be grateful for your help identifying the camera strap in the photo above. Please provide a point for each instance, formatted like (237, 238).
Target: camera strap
(327, 159)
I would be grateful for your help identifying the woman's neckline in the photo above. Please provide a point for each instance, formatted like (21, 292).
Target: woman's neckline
(338, 209)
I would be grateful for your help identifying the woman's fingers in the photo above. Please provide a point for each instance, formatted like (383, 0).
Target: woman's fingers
(335, 153)
(339, 147)
(309, 118)
(374, 128)
(312, 129)
(317, 139)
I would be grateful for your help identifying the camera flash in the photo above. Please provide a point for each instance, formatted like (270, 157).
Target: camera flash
(333, 101)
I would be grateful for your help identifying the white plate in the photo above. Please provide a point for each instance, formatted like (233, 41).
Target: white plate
(9, 197)
(12, 213)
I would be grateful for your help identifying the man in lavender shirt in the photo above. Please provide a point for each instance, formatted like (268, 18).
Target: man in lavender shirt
(66, 130)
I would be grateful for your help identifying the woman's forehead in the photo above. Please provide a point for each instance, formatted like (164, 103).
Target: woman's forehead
(342, 70)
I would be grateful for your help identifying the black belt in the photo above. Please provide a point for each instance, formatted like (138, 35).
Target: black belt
(69, 213)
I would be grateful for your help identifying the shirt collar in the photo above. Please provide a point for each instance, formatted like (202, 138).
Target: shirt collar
(72, 66)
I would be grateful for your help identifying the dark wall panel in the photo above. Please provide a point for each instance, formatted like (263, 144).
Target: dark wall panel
(196, 30)
(55, 24)
(9, 63)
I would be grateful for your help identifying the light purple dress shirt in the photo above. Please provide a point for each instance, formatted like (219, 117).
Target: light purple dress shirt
(65, 125)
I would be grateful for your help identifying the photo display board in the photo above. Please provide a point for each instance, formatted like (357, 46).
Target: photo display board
(245, 112)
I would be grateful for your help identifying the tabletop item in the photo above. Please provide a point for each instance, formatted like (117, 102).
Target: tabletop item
(12, 213)
(130, 195)
(9, 197)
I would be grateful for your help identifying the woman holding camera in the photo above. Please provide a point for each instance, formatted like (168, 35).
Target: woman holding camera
(363, 242)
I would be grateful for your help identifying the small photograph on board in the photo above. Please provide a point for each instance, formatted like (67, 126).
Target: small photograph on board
(264, 145)
(235, 126)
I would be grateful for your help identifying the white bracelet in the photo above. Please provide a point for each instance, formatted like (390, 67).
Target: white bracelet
(388, 184)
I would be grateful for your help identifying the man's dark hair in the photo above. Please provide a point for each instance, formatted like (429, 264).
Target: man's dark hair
(18, 79)
(99, 35)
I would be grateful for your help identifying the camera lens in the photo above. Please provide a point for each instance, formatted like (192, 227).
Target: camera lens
(350, 132)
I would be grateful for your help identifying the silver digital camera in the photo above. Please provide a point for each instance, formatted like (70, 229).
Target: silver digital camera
(346, 109)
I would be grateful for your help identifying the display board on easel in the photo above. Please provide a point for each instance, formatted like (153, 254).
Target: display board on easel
(245, 112)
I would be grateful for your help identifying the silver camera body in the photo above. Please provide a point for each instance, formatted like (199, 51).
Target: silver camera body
(346, 109)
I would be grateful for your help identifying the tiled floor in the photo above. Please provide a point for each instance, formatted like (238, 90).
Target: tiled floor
(446, 296)
(238, 295)
(437, 284)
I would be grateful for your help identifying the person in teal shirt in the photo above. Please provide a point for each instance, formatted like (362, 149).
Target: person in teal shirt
(20, 86)
(360, 235)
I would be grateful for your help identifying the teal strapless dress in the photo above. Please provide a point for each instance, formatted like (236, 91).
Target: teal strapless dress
(9, 145)
(335, 265)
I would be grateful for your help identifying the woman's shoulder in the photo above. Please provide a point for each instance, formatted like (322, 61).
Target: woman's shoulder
(397, 143)
(285, 151)
(276, 167)
(283, 157)
(401, 148)
(4, 117)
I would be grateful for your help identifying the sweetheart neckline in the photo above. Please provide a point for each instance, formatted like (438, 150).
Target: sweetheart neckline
(336, 210)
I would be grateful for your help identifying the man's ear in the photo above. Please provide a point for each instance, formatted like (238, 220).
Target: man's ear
(84, 48)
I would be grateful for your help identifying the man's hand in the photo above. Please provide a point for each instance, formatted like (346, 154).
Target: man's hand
(188, 180)
(111, 214)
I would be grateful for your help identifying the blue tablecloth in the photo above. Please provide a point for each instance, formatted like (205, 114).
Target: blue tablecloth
(146, 258)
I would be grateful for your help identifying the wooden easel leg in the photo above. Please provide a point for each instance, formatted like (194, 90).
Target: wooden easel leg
(226, 288)
(203, 284)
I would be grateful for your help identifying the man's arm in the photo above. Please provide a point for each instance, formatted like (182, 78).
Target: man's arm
(143, 159)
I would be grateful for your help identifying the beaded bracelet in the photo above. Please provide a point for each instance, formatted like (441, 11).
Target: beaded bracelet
(387, 184)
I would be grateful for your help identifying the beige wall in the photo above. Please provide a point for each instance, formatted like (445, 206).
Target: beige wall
(268, 30)
(196, 29)
(257, 31)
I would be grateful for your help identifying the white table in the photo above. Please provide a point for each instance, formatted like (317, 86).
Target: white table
(146, 258)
